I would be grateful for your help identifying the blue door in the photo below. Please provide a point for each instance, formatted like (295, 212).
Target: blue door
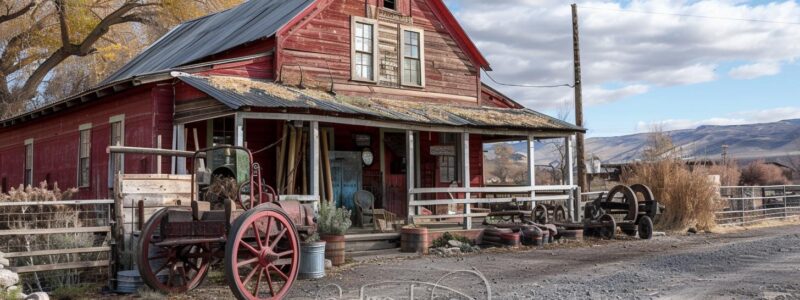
(346, 175)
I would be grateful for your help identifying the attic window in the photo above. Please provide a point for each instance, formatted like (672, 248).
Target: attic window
(390, 4)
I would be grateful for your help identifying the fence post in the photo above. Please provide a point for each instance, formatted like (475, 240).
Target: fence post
(785, 204)
(742, 204)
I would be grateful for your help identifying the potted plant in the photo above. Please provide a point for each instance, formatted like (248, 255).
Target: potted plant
(312, 258)
(333, 223)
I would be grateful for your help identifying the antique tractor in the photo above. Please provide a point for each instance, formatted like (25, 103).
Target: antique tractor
(255, 236)
(635, 214)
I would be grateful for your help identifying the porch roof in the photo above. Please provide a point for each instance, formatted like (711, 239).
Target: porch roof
(240, 93)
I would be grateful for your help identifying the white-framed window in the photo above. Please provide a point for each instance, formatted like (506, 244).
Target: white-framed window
(364, 49)
(447, 169)
(84, 154)
(412, 52)
(28, 179)
(116, 138)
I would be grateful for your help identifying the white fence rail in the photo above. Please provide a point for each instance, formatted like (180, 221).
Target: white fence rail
(743, 205)
(466, 197)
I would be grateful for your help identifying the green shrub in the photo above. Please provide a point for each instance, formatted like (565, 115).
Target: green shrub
(333, 220)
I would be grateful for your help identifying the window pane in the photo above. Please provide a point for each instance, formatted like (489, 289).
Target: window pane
(364, 65)
(411, 71)
(84, 176)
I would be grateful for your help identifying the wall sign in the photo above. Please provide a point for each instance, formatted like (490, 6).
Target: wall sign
(362, 140)
(443, 150)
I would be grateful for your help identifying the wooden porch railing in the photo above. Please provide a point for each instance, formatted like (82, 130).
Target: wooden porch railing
(565, 193)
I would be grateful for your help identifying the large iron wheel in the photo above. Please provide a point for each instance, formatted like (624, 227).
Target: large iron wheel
(560, 214)
(262, 254)
(539, 214)
(609, 227)
(649, 205)
(628, 205)
(167, 267)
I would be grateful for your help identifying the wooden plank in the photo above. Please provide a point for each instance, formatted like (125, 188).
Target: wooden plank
(452, 216)
(55, 230)
(508, 189)
(62, 266)
(156, 186)
(65, 202)
(57, 252)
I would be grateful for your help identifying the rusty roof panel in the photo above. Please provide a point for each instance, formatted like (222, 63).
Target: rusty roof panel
(238, 93)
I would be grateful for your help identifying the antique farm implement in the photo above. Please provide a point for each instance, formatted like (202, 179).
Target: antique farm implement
(255, 236)
(635, 209)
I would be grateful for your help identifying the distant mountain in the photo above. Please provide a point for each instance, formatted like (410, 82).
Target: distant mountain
(744, 142)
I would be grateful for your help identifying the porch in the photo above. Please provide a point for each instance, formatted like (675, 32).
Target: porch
(419, 163)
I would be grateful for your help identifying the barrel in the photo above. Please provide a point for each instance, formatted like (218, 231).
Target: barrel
(312, 260)
(510, 239)
(414, 240)
(572, 234)
(334, 248)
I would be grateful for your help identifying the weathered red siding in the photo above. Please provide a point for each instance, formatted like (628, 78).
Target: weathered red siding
(320, 47)
(56, 140)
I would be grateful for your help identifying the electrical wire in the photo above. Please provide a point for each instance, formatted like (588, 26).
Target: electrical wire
(689, 15)
(527, 85)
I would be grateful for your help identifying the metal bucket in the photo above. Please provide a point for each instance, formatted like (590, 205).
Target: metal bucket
(128, 282)
(312, 260)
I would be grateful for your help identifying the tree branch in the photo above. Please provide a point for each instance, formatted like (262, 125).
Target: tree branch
(62, 22)
(17, 14)
(28, 90)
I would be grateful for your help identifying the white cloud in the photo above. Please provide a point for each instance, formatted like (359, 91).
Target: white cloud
(755, 70)
(737, 118)
(530, 41)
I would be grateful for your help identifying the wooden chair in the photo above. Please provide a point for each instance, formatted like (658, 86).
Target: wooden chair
(365, 207)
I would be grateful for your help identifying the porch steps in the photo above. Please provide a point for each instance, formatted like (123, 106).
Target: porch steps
(371, 242)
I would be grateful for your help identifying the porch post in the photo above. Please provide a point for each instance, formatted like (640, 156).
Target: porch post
(179, 143)
(239, 130)
(466, 177)
(531, 168)
(313, 158)
(574, 197)
(410, 177)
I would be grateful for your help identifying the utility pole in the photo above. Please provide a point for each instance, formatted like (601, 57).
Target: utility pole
(579, 143)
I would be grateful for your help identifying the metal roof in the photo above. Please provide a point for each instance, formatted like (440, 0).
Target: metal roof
(238, 93)
(212, 34)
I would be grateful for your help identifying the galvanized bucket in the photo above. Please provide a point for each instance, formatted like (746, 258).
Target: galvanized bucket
(312, 260)
(128, 282)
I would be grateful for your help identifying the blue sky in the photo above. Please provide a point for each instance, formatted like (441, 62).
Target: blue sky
(646, 69)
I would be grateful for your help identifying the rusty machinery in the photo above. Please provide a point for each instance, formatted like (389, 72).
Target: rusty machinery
(635, 209)
(256, 237)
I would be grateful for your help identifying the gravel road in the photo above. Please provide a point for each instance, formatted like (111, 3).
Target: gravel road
(759, 263)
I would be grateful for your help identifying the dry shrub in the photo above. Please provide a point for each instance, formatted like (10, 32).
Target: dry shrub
(760, 173)
(689, 197)
(729, 173)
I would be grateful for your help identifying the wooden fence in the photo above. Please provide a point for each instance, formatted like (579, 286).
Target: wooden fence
(57, 243)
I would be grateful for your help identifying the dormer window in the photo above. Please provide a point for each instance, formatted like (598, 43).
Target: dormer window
(364, 47)
(390, 4)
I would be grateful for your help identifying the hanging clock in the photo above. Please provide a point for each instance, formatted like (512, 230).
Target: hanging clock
(367, 157)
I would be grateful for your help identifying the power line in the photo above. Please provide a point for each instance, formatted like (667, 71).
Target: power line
(689, 15)
(528, 85)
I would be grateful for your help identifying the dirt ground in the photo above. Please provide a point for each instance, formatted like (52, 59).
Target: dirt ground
(758, 263)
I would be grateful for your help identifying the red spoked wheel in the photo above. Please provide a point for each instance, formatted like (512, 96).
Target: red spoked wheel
(170, 268)
(262, 254)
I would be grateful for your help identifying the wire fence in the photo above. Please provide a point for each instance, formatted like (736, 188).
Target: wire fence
(53, 244)
(743, 205)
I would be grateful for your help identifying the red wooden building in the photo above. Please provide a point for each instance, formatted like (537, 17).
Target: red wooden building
(395, 79)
